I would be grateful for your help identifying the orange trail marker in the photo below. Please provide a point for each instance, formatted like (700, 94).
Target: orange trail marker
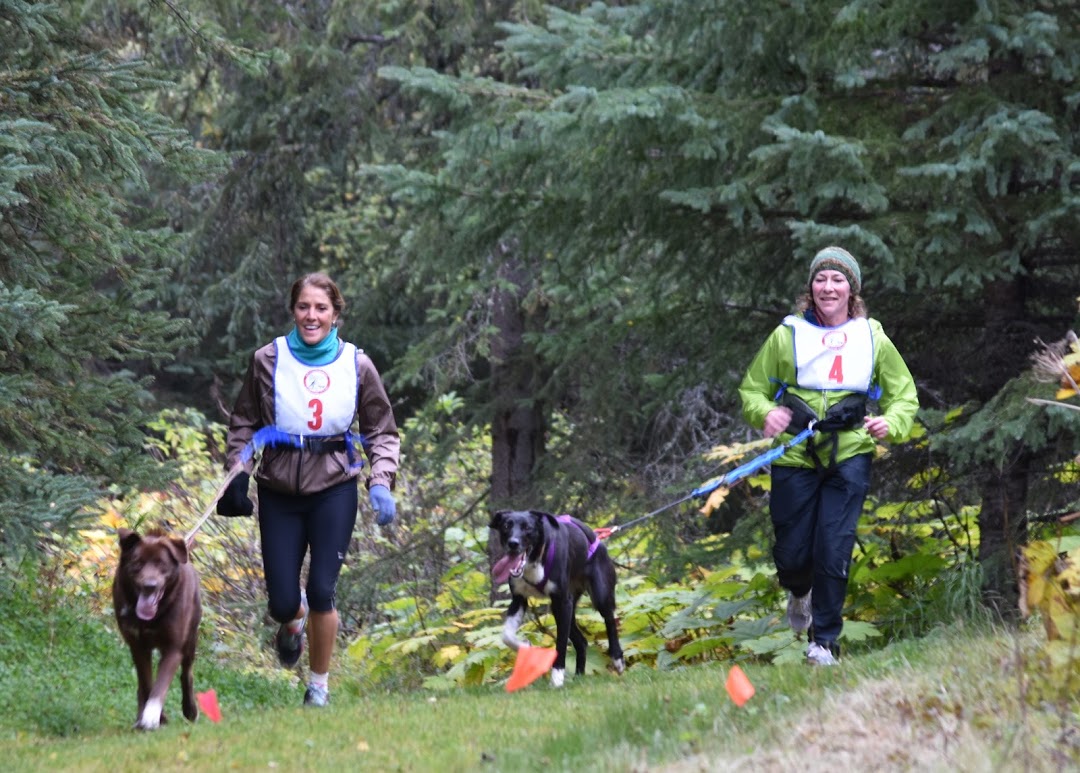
(209, 705)
(738, 686)
(531, 664)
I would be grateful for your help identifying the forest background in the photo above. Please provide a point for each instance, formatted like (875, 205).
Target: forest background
(562, 230)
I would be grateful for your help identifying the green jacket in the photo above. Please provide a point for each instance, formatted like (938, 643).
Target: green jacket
(776, 360)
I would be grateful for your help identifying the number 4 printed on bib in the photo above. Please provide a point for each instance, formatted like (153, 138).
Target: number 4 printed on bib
(836, 372)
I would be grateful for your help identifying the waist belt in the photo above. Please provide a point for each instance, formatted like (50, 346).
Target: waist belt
(275, 438)
(317, 445)
(846, 414)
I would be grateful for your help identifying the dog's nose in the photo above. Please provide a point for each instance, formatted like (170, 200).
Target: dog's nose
(514, 544)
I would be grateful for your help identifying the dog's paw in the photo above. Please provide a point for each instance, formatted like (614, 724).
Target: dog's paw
(509, 633)
(147, 723)
(558, 676)
(152, 716)
(619, 665)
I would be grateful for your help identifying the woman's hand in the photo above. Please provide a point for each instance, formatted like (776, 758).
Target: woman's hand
(877, 426)
(382, 502)
(234, 500)
(777, 420)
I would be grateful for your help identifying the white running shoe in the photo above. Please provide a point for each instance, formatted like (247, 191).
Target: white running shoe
(799, 612)
(816, 655)
(316, 695)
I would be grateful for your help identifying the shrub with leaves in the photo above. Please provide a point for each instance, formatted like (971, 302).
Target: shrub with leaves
(1051, 587)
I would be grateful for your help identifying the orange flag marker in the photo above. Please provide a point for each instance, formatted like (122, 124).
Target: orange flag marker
(209, 705)
(738, 686)
(530, 664)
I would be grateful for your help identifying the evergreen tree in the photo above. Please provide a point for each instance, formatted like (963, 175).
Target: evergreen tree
(662, 172)
(81, 269)
(291, 93)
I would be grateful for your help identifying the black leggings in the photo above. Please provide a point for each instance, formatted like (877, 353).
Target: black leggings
(291, 523)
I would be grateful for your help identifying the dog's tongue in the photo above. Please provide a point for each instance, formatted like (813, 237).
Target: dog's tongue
(146, 607)
(501, 571)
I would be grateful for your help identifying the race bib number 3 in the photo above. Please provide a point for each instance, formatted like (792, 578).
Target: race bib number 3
(305, 403)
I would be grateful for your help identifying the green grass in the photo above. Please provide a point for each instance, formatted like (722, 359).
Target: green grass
(953, 700)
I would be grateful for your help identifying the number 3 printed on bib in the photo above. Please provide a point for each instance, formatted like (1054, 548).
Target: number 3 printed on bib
(316, 406)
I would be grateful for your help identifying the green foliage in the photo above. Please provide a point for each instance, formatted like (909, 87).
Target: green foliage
(441, 490)
(83, 272)
(1050, 578)
(914, 569)
(659, 173)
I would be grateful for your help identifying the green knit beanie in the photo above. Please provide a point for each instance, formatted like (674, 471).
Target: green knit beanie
(838, 259)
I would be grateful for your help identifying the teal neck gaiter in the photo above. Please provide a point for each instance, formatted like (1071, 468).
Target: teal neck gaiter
(322, 353)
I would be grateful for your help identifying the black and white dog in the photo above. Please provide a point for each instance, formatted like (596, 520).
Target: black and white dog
(558, 558)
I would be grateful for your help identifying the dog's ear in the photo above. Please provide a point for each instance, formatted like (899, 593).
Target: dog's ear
(178, 547)
(127, 539)
(540, 516)
(497, 519)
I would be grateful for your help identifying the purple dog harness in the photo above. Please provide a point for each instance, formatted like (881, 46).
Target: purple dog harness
(550, 557)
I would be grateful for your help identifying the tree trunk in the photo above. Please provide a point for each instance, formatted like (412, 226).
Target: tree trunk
(518, 422)
(1003, 530)
(1006, 343)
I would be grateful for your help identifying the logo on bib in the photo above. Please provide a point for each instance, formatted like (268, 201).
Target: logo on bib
(834, 339)
(316, 381)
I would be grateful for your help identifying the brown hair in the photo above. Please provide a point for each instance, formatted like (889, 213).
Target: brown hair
(323, 282)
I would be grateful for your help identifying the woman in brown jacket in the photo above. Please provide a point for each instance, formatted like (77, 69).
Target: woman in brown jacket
(308, 390)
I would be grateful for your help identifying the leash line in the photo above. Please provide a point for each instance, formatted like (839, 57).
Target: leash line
(730, 477)
(236, 470)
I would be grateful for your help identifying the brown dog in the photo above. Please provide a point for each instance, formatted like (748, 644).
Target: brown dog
(158, 607)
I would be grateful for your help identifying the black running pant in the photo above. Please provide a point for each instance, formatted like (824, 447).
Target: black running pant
(290, 525)
(814, 518)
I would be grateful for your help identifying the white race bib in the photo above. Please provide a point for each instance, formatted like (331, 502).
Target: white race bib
(314, 400)
(833, 357)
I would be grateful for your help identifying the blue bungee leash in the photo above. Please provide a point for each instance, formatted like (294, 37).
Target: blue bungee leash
(727, 479)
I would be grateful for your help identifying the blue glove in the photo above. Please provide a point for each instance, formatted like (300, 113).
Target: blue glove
(382, 501)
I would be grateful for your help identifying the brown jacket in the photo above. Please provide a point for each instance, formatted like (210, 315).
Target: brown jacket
(297, 471)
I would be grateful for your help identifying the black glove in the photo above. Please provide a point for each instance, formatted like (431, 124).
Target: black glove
(235, 499)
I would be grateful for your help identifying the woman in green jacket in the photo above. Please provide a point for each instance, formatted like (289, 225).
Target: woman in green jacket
(822, 365)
